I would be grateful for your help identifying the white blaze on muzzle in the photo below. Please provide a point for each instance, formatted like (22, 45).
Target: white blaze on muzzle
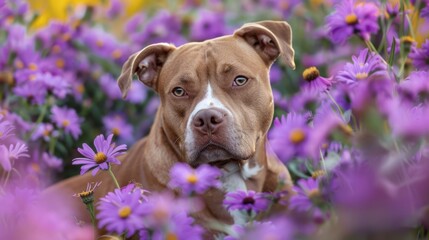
(209, 101)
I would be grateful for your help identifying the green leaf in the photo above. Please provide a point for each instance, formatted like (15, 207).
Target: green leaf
(392, 52)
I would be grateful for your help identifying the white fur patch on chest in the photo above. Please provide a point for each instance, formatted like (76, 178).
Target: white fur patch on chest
(232, 180)
(248, 172)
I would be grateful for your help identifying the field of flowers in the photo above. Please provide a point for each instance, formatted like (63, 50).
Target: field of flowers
(352, 120)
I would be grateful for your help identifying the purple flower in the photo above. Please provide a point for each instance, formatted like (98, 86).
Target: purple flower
(116, 7)
(289, 136)
(52, 161)
(275, 73)
(121, 211)
(137, 93)
(191, 180)
(180, 226)
(6, 128)
(246, 200)
(48, 216)
(161, 207)
(67, 119)
(207, 25)
(314, 81)
(109, 86)
(415, 126)
(117, 125)
(14, 152)
(351, 18)
(45, 131)
(307, 194)
(366, 66)
(163, 27)
(415, 87)
(420, 56)
(33, 91)
(424, 13)
(105, 153)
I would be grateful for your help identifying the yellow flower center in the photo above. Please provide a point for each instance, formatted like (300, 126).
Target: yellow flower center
(407, 40)
(192, 178)
(66, 123)
(116, 54)
(99, 43)
(100, 158)
(346, 129)
(310, 74)
(66, 37)
(296, 136)
(351, 19)
(361, 75)
(171, 236)
(124, 212)
(80, 88)
(35, 167)
(318, 173)
(6, 77)
(46, 132)
(160, 214)
(56, 49)
(32, 66)
(32, 77)
(314, 193)
(1, 134)
(60, 63)
(85, 193)
(19, 64)
(116, 131)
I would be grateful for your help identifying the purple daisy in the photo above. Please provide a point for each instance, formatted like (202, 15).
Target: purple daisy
(415, 87)
(117, 125)
(191, 180)
(275, 73)
(52, 161)
(121, 211)
(105, 153)
(109, 86)
(289, 136)
(180, 226)
(14, 152)
(6, 129)
(246, 200)
(351, 18)
(424, 13)
(366, 66)
(314, 81)
(420, 56)
(207, 25)
(67, 119)
(45, 131)
(307, 194)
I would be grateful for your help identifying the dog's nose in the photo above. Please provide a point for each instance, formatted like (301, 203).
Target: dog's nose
(208, 120)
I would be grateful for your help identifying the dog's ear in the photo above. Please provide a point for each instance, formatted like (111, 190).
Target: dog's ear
(270, 39)
(146, 64)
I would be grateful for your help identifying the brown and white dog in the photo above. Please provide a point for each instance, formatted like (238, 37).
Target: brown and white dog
(216, 108)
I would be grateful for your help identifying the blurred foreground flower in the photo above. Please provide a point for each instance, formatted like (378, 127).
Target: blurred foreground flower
(191, 180)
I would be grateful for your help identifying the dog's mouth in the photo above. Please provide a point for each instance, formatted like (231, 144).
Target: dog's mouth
(214, 154)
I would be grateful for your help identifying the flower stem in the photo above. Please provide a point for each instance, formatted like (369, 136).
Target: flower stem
(113, 177)
(90, 207)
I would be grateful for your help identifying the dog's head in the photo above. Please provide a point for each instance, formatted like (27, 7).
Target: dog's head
(216, 98)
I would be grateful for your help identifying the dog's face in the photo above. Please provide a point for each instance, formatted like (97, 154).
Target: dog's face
(216, 98)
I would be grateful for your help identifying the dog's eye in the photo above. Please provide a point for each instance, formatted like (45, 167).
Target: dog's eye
(179, 92)
(240, 81)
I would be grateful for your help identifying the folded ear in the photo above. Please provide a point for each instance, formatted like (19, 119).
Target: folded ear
(147, 64)
(270, 39)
